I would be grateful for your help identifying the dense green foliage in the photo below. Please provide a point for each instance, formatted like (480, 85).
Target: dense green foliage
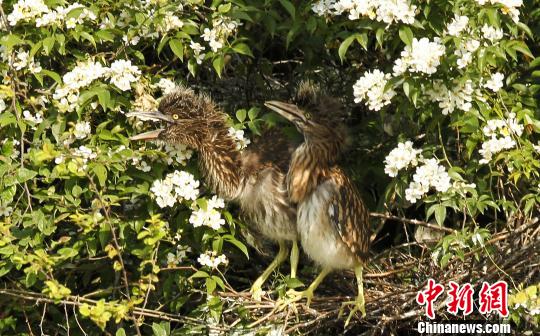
(81, 213)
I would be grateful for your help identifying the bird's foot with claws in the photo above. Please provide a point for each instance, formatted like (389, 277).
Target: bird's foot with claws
(256, 292)
(293, 296)
(357, 305)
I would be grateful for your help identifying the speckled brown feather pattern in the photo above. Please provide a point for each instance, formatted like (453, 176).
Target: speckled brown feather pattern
(253, 177)
(323, 192)
(349, 215)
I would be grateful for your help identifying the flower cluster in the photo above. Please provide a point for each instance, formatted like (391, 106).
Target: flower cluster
(509, 7)
(208, 215)
(495, 83)
(23, 60)
(222, 28)
(59, 14)
(372, 88)
(403, 156)
(422, 56)
(211, 259)
(457, 25)
(35, 119)
(491, 33)
(178, 153)
(166, 85)
(121, 73)
(82, 155)
(176, 187)
(429, 175)
(458, 96)
(388, 11)
(26, 10)
(82, 129)
(174, 259)
(238, 135)
(500, 133)
(465, 51)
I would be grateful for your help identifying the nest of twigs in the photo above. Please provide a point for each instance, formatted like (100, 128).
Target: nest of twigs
(392, 281)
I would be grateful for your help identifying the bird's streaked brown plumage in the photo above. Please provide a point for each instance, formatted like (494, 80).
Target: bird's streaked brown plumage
(253, 177)
(333, 222)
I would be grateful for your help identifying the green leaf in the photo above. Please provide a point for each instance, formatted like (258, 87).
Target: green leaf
(177, 48)
(238, 244)
(241, 115)
(406, 35)
(101, 173)
(289, 7)
(440, 214)
(218, 64)
(48, 44)
(11, 40)
(158, 330)
(344, 46)
(104, 97)
(243, 49)
(120, 332)
(24, 175)
(224, 8)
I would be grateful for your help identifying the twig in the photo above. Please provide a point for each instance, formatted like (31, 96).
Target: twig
(411, 221)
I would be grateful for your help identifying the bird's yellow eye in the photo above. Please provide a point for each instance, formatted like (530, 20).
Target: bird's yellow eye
(307, 115)
(175, 116)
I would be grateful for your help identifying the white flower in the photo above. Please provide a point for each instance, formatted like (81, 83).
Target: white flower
(500, 132)
(170, 22)
(495, 83)
(82, 129)
(402, 156)
(458, 96)
(429, 175)
(387, 11)
(178, 153)
(83, 74)
(25, 10)
(122, 74)
(509, 7)
(166, 85)
(5, 210)
(371, 87)
(211, 259)
(422, 56)
(176, 186)
(491, 33)
(457, 25)
(464, 52)
(83, 154)
(494, 146)
(60, 159)
(197, 51)
(36, 119)
(238, 136)
(163, 192)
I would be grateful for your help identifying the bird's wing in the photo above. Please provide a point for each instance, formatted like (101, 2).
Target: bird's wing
(348, 214)
(272, 148)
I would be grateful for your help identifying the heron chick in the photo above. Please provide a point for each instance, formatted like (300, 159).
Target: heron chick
(333, 223)
(254, 177)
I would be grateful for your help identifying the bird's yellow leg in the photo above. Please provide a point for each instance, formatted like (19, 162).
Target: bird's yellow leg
(359, 303)
(256, 288)
(294, 295)
(295, 255)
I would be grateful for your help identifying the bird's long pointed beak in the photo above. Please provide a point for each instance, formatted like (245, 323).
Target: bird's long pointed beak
(151, 135)
(288, 111)
(154, 115)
